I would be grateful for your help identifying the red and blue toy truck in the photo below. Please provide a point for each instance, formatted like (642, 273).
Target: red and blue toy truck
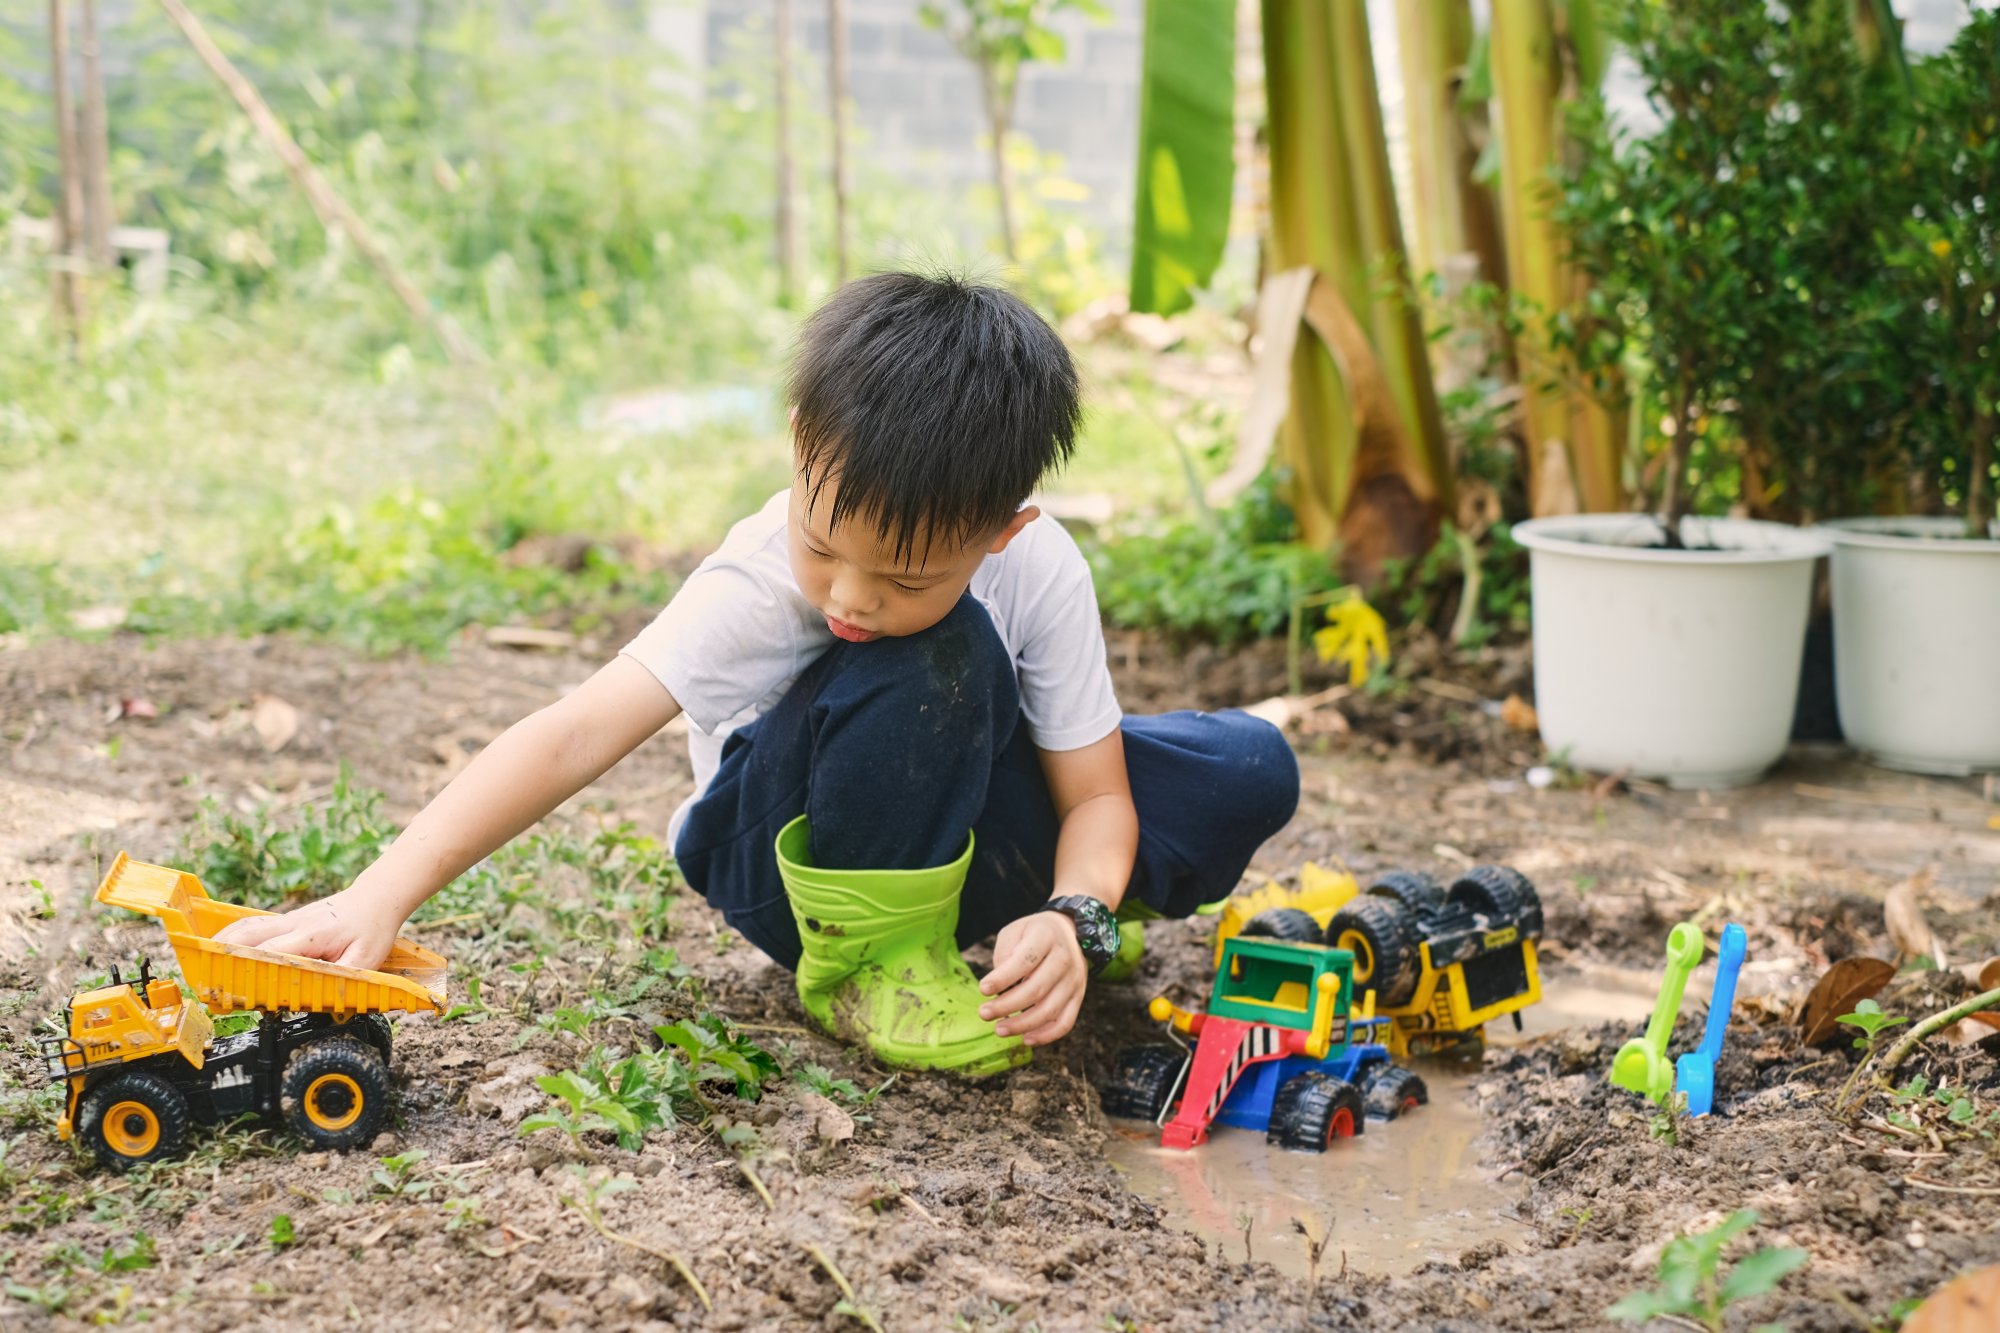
(1280, 1049)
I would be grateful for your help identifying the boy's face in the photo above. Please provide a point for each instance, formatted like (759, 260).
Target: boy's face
(858, 582)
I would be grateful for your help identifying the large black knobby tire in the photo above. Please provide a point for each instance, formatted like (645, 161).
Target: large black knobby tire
(1382, 935)
(1501, 894)
(1313, 1109)
(335, 1093)
(1412, 888)
(1284, 923)
(1391, 1091)
(1143, 1081)
(132, 1118)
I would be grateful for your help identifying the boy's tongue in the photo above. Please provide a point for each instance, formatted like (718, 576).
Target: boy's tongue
(852, 634)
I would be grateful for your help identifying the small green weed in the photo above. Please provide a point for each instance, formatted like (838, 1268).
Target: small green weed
(397, 1177)
(1868, 1017)
(261, 862)
(715, 1050)
(1692, 1285)
(283, 1233)
(820, 1079)
(1669, 1122)
(625, 1098)
(51, 1298)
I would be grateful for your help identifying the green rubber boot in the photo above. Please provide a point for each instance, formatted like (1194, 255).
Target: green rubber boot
(881, 966)
(1132, 918)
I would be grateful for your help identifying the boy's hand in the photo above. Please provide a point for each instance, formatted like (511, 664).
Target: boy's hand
(341, 928)
(1037, 979)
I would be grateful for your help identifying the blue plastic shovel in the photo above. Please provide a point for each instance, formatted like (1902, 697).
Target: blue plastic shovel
(1694, 1073)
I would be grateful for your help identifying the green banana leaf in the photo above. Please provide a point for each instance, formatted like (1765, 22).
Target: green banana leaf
(1187, 161)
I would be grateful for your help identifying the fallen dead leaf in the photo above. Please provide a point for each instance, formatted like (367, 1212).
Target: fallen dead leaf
(1908, 931)
(1989, 975)
(1846, 984)
(830, 1123)
(1966, 1304)
(275, 720)
(1519, 714)
(1973, 1029)
(143, 709)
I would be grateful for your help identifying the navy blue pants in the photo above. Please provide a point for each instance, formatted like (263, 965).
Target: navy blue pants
(895, 748)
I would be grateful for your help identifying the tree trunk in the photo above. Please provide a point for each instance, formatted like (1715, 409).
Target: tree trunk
(1454, 214)
(1978, 499)
(836, 91)
(96, 135)
(1393, 319)
(334, 214)
(999, 119)
(67, 244)
(787, 217)
(1573, 444)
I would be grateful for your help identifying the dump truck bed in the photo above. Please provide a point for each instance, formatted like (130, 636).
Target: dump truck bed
(232, 976)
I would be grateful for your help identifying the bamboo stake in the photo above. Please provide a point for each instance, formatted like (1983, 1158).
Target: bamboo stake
(836, 89)
(333, 212)
(68, 210)
(96, 138)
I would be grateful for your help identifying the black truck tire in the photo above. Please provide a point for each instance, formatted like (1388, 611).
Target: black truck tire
(1313, 1109)
(133, 1117)
(1284, 923)
(1392, 1091)
(1382, 935)
(1412, 888)
(1143, 1082)
(335, 1093)
(1501, 894)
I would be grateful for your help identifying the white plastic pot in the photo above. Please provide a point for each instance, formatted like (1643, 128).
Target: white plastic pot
(1916, 643)
(1678, 665)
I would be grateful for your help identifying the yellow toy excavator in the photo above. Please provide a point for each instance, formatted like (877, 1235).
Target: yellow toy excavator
(143, 1062)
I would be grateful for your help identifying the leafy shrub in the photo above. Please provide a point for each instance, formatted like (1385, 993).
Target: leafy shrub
(255, 860)
(1232, 576)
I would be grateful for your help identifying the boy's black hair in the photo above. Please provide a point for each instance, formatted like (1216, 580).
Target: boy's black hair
(936, 403)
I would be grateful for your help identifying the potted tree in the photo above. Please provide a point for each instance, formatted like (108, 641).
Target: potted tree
(1917, 595)
(1669, 645)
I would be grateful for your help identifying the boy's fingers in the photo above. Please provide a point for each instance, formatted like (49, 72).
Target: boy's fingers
(1025, 954)
(252, 930)
(1060, 993)
(1059, 1026)
(1022, 996)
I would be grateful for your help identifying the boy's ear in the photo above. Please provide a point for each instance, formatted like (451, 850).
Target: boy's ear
(1028, 514)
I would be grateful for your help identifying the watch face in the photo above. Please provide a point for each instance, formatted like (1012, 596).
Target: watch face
(1096, 928)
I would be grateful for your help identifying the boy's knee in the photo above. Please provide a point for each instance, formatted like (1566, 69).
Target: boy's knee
(959, 662)
(1266, 770)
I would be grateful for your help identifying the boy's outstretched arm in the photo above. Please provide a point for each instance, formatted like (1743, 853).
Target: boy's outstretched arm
(1038, 969)
(533, 767)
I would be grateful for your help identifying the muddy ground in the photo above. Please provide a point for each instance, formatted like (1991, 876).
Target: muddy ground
(949, 1206)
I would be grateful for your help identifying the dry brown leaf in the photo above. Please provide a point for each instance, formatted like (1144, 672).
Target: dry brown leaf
(1973, 1029)
(1846, 984)
(1989, 975)
(1966, 1304)
(143, 709)
(1908, 931)
(1519, 714)
(275, 720)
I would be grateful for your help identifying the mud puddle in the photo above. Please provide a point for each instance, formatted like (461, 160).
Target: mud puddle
(1401, 1194)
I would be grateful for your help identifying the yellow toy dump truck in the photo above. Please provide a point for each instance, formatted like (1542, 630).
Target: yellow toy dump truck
(1442, 961)
(143, 1063)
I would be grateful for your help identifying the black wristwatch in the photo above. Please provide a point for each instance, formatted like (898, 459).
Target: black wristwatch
(1096, 928)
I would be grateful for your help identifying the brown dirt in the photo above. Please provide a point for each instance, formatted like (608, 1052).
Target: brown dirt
(990, 1205)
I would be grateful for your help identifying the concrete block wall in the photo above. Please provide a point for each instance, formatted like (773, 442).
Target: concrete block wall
(917, 110)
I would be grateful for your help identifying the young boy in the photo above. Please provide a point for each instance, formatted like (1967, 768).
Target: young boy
(900, 714)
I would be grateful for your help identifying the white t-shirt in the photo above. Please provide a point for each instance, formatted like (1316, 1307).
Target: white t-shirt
(739, 631)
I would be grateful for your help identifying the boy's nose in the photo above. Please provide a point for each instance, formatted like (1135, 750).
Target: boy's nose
(855, 595)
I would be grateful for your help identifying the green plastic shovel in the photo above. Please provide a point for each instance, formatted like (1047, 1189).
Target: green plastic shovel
(1641, 1064)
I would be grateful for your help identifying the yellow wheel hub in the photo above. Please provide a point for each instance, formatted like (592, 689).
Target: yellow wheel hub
(333, 1101)
(1364, 958)
(132, 1128)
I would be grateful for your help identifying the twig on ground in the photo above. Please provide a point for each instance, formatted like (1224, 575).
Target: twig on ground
(853, 1303)
(595, 1217)
(1935, 1023)
(756, 1183)
(1942, 1188)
